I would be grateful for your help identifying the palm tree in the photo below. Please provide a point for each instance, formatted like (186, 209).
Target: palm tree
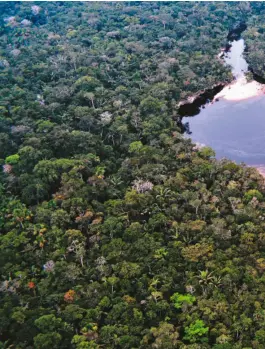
(206, 279)
(164, 193)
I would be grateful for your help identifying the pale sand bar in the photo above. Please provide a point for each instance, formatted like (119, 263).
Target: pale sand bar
(240, 90)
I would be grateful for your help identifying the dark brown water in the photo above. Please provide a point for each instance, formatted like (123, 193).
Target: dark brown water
(235, 129)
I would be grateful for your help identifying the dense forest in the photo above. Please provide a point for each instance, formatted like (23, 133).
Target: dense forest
(255, 41)
(115, 230)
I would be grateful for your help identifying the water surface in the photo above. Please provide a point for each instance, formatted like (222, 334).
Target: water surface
(234, 126)
(235, 58)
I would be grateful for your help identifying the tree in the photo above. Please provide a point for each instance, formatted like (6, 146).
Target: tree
(117, 231)
(53, 332)
(180, 300)
(12, 159)
(196, 332)
(165, 335)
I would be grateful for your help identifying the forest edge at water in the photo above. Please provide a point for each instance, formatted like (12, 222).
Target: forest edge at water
(192, 106)
(116, 231)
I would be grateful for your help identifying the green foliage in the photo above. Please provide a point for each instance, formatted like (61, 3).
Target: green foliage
(180, 299)
(252, 193)
(150, 105)
(105, 208)
(45, 126)
(135, 147)
(50, 170)
(47, 323)
(196, 332)
(12, 159)
(47, 340)
(81, 342)
(206, 152)
(260, 336)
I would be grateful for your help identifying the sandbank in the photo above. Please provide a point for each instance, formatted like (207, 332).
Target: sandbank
(241, 89)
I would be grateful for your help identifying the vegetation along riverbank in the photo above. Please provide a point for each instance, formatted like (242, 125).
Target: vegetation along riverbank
(115, 230)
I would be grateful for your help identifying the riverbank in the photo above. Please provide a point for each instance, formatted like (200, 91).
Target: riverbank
(260, 169)
(192, 106)
(241, 89)
(233, 122)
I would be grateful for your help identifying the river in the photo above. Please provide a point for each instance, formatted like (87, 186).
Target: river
(234, 123)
